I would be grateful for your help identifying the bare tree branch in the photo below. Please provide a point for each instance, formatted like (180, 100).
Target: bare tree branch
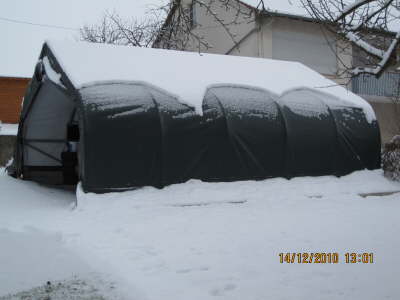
(366, 25)
(113, 29)
(180, 31)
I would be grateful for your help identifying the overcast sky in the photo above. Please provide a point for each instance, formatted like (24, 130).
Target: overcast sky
(21, 43)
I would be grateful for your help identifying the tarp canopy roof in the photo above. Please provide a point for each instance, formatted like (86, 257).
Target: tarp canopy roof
(188, 75)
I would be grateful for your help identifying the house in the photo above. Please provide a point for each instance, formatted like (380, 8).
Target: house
(140, 119)
(12, 90)
(285, 32)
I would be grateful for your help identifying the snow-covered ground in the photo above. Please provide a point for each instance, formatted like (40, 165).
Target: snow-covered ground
(205, 240)
(8, 129)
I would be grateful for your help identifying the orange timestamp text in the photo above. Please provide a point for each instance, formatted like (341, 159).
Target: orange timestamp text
(325, 258)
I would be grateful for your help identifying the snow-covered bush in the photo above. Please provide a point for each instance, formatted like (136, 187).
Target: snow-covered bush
(391, 159)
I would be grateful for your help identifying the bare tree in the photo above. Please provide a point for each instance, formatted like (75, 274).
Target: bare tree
(178, 32)
(167, 26)
(371, 28)
(170, 25)
(103, 32)
(113, 29)
(366, 24)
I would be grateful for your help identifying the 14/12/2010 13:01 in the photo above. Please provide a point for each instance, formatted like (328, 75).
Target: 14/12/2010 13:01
(325, 258)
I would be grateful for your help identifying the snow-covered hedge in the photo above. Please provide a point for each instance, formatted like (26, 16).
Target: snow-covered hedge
(391, 159)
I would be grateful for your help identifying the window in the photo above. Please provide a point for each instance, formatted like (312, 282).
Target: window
(193, 17)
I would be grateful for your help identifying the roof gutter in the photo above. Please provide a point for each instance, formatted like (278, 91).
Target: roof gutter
(267, 13)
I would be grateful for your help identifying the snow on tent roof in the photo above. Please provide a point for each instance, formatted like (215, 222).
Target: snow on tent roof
(188, 75)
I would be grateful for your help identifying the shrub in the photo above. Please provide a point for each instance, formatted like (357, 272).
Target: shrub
(391, 159)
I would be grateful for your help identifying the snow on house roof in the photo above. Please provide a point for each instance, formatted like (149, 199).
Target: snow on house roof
(17, 62)
(19, 74)
(291, 7)
(188, 75)
(294, 8)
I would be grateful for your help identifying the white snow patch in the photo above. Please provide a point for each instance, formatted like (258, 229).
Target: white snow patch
(201, 240)
(188, 75)
(8, 129)
(51, 73)
(40, 254)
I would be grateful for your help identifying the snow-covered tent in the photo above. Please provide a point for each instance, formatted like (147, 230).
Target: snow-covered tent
(121, 117)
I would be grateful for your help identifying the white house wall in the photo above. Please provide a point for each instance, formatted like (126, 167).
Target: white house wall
(271, 37)
(275, 37)
(304, 42)
(247, 47)
(215, 34)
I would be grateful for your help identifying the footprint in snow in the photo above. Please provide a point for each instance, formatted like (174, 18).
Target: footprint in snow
(221, 291)
(185, 271)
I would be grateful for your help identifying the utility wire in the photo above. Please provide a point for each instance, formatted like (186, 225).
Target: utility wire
(38, 24)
